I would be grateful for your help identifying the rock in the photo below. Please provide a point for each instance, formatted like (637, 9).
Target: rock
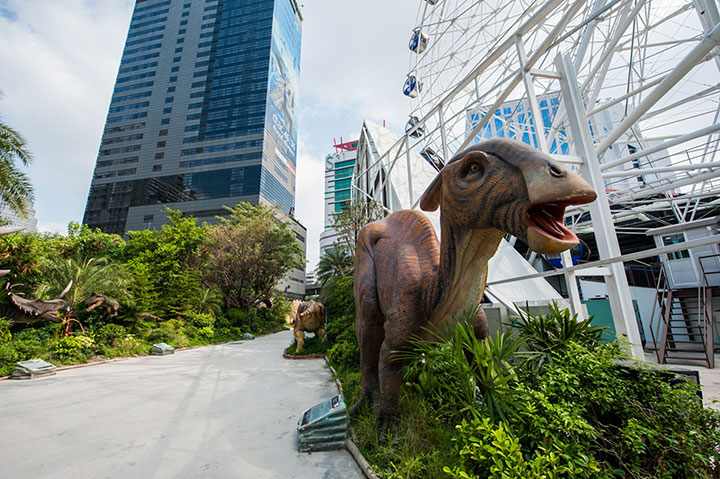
(248, 336)
(34, 368)
(323, 427)
(162, 349)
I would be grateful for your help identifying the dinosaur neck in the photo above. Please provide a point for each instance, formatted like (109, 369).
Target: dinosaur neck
(464, 255)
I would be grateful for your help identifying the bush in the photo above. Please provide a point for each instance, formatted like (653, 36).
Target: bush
(8, 357)
(73, 349)
(169, 332)
(109, 335)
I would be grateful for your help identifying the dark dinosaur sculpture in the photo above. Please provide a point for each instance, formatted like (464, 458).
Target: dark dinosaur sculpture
(22, 310)
(406, 281)
(310, 317)
(110, 306)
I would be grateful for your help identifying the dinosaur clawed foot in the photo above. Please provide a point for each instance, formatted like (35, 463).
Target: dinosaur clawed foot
(387, 425)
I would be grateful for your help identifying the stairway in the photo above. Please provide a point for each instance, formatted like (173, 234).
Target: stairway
(685, 330)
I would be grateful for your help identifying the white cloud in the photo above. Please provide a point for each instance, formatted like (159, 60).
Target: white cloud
(59, 63)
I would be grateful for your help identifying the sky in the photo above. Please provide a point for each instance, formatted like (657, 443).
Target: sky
(59, 60)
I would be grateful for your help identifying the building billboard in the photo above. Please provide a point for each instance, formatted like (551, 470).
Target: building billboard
(280, 152)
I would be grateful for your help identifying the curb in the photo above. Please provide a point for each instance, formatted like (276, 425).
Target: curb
(350, 444)
(307, 356)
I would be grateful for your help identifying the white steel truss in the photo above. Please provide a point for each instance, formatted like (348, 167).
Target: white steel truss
(641, 76)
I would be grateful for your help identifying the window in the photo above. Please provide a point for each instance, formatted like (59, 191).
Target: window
(185, 14)
(160, 144)
(157, 167)
(175, 69)
(148, 218)
(159, 156)
(169, 99)
(167, 110)
(676, 239)
(163, 133)
(165, 121)
(179, 50)
(173, 79)
(187, 5)
(176, 60)
(183, 22)
(180, 40)
(182, 31)
(171, 89)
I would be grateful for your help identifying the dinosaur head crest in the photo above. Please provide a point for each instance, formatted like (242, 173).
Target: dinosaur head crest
(508, 185)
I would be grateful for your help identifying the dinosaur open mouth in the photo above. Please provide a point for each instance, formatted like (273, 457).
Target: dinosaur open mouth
(547, 219)
(95, 305)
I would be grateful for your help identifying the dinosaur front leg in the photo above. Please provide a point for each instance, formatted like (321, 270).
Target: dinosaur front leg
(320, 333)
(299, 335)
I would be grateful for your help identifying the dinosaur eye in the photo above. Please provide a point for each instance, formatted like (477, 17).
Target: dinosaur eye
(474, 168)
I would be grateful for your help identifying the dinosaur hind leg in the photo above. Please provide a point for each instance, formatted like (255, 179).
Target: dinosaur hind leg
(370, 334)
(369, 322)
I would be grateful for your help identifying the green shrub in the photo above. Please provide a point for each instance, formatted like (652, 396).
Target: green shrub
(5, 335)
(8, 357)
(340, 300)
(493, 450)
(73, 349)
(170, 332)
(553, 332)
(256, 321)
(110, 335)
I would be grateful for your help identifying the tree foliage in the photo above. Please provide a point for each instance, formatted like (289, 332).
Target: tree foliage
(87, 275)
(15, 187)
(167, 265)
(250, 253)
(335, 263)
(350, 221)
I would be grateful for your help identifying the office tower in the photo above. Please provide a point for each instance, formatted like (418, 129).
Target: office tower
(338, 175)
(202, 115)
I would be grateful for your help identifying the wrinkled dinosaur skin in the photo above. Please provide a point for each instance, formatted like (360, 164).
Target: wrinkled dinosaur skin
(32, 310)
(407, 282)
(110, 306)
(310, 318)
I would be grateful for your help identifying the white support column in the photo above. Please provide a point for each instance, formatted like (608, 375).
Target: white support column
(608, 247)
(570, 280)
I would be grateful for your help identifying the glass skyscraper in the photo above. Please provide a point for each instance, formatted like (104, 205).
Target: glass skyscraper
(202, 115)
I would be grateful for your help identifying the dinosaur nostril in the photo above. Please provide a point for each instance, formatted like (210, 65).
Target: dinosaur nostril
(555, 171)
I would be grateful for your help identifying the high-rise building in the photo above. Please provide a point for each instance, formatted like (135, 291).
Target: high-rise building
(202, 115)
(338, 176)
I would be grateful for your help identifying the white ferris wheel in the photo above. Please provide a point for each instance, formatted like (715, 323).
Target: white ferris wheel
(625, 91)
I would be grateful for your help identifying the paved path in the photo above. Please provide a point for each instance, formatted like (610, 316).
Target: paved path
(227, 411)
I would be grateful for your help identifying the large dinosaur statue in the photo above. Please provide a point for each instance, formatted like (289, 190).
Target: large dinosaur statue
(407, 282)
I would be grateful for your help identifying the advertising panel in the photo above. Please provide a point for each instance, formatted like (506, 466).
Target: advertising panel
(283, 82)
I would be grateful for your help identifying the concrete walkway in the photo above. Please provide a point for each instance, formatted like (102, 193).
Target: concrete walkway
(227, 411)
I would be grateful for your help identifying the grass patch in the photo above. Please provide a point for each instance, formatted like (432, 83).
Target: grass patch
(312, 345)
(421, 447)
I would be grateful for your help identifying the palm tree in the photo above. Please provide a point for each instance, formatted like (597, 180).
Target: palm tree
(335, 263)
(88, 276)
(15, 187)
